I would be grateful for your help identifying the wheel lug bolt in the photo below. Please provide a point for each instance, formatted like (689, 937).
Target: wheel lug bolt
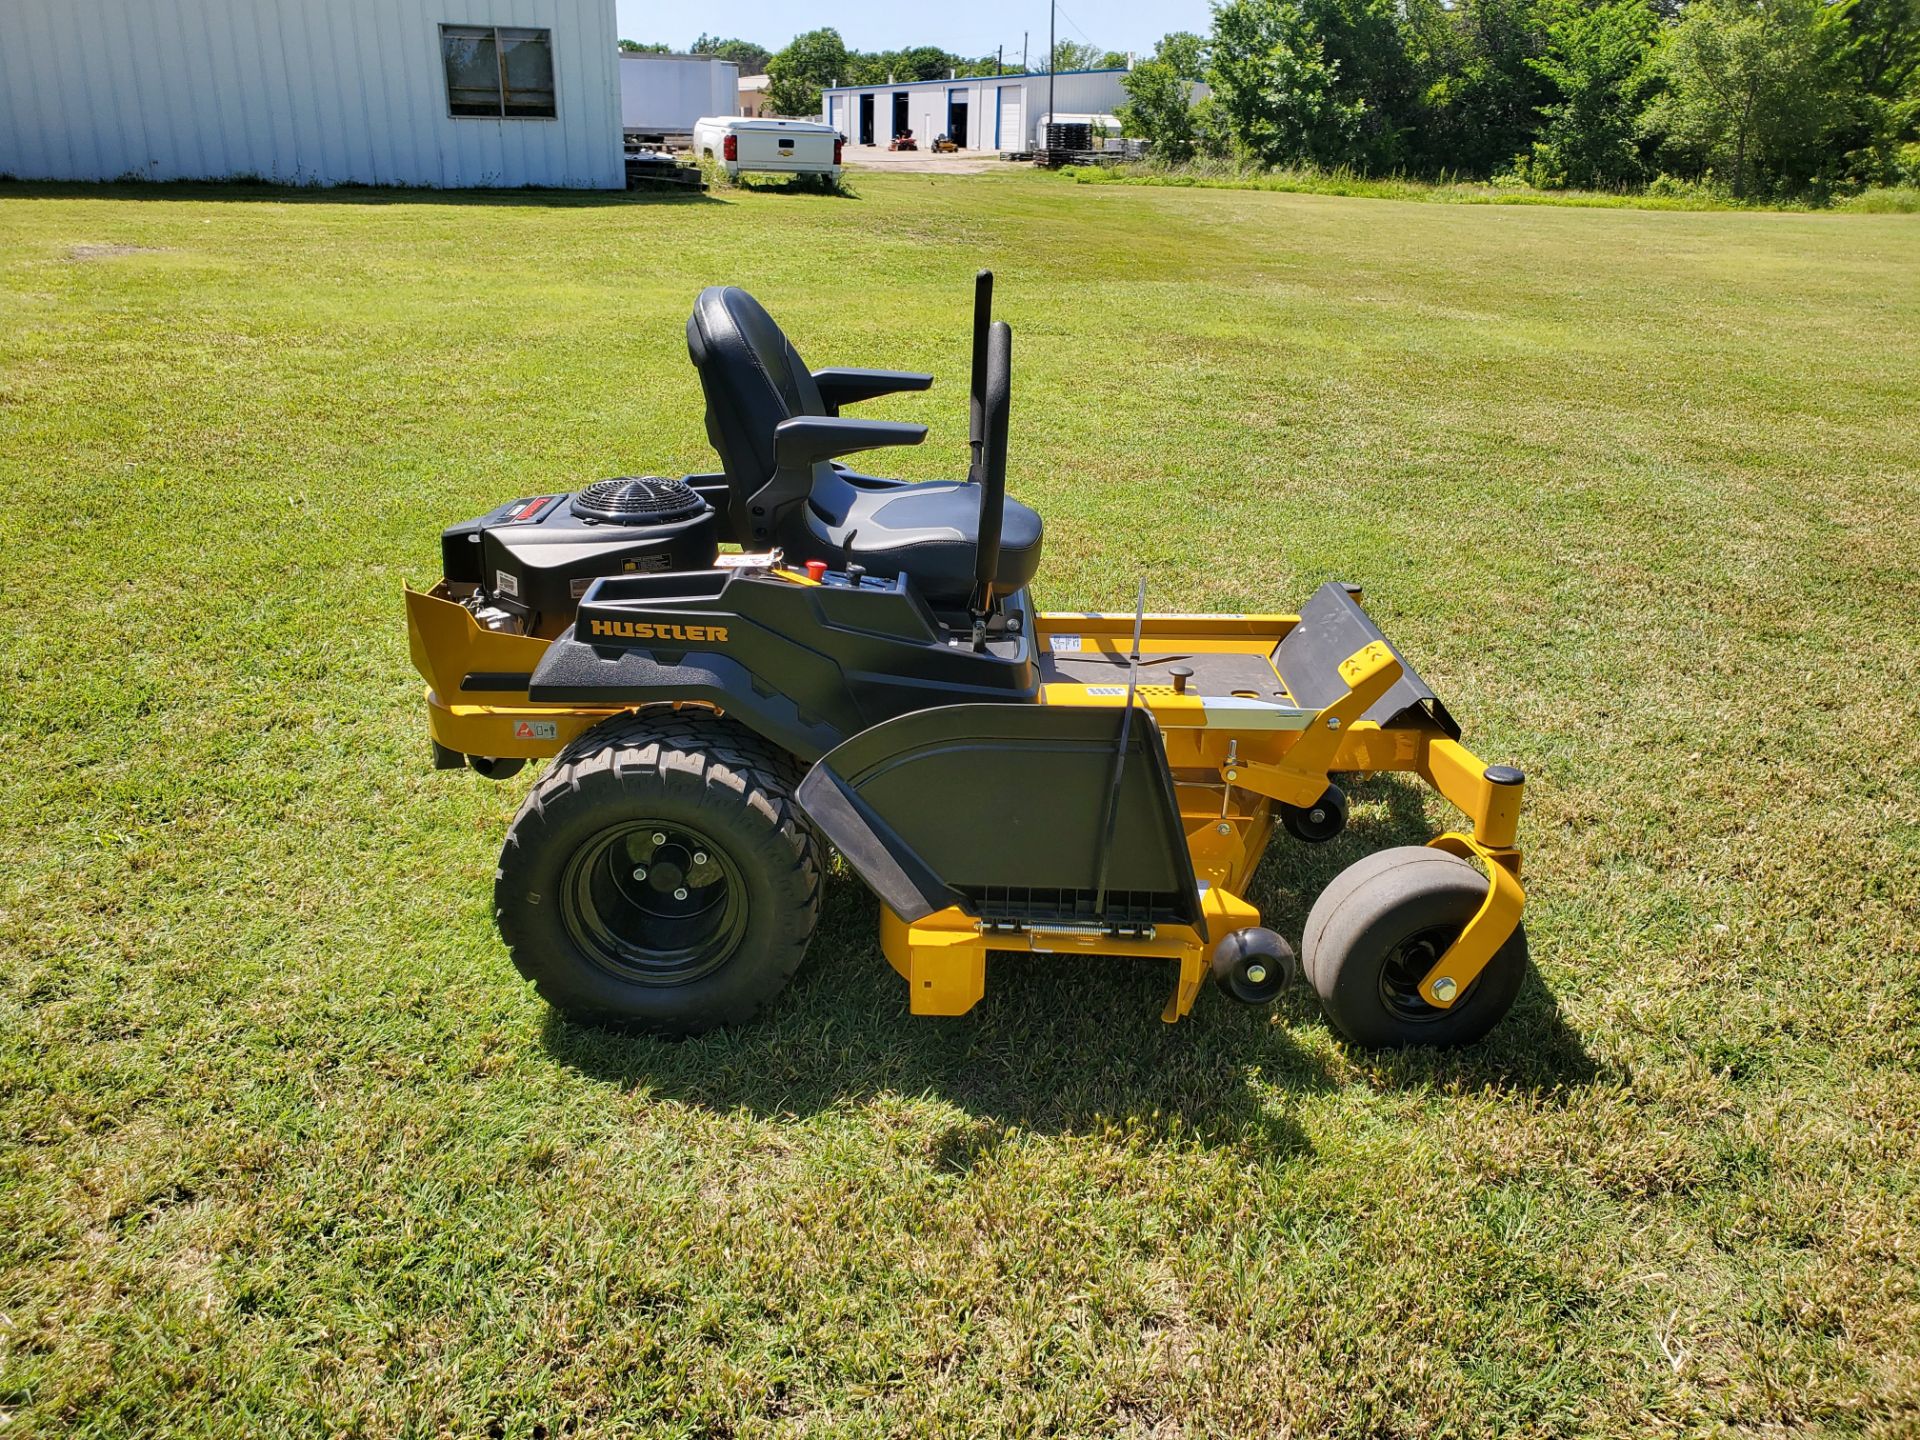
(659, 838)
(639, 872)
(699, 857)
(681, 893)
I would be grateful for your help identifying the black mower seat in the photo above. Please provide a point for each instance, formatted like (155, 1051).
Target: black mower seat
(926, 531)
(754, 379)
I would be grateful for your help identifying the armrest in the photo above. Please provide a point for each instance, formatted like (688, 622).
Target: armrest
(844, 387)
(806, 440)
(800, 444)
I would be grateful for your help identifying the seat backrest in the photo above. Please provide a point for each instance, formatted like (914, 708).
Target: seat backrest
(753, 379)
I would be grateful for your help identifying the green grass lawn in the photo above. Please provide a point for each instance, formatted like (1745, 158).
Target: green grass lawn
(286, 1147)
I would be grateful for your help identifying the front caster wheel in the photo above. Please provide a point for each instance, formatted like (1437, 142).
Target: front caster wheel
(1253, 965)
(1377, 930)
(1319, 822)
(659, 876)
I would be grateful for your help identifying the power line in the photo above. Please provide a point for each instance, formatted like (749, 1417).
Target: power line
(1076, 25)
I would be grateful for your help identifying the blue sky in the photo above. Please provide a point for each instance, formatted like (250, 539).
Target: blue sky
(974, 28)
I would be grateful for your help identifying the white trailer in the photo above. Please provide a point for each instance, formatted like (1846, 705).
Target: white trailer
(663, 95)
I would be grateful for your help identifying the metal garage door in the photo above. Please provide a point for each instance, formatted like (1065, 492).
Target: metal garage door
(1008, 119)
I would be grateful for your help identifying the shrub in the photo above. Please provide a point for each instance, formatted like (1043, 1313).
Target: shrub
(1158, 108)
(1672, 187)
(1885, 200)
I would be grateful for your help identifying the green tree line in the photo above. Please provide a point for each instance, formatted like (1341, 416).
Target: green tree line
(1764, 99)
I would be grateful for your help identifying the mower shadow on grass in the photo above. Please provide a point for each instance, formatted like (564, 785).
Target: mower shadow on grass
(1056, 1047)
(1067, 1047)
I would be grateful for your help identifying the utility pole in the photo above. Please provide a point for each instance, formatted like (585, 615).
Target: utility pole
(997, 68)
(1023, 52)
(1053, 47)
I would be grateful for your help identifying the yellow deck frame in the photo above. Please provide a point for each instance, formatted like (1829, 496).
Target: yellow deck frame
(1228, 775)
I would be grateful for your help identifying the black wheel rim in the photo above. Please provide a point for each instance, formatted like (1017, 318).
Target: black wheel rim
(1319, 822)
(654, 903)
(1407, 965)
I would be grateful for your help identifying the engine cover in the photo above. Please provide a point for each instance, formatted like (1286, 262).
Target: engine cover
(536, 556)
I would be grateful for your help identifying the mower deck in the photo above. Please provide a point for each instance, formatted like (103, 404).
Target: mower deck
(1229, 763)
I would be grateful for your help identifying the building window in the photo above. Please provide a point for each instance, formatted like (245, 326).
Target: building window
(498, 72)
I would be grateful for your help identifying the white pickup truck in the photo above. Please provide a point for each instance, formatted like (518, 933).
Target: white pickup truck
(775, 147)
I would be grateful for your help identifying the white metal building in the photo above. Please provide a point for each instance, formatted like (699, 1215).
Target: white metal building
(986, 112)
(312, 92)
(665, 94)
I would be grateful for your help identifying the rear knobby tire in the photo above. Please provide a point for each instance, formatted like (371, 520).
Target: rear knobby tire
(1376, 931)
(659, 876)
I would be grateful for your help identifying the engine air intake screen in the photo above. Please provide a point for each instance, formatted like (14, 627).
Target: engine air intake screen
(637, 500)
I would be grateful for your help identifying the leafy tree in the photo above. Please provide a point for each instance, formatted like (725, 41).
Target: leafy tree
(798, 74)
(1596, 61)
(1884, 142)
(1756, 90)
(751, 58)
(1275, 88)
(652, 47)
(1886, 47)
(1481, 95)
(1159, 105)
(919, 62)
(1071, 55)
(1367, 41)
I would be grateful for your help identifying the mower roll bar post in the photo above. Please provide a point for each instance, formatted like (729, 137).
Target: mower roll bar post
(977, 379)
(993, 466)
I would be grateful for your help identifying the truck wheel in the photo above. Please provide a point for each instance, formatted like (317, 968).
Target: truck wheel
(1376, 931)
(659, 876)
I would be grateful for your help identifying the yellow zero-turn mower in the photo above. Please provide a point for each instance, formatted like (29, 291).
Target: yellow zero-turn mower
(863, 666)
